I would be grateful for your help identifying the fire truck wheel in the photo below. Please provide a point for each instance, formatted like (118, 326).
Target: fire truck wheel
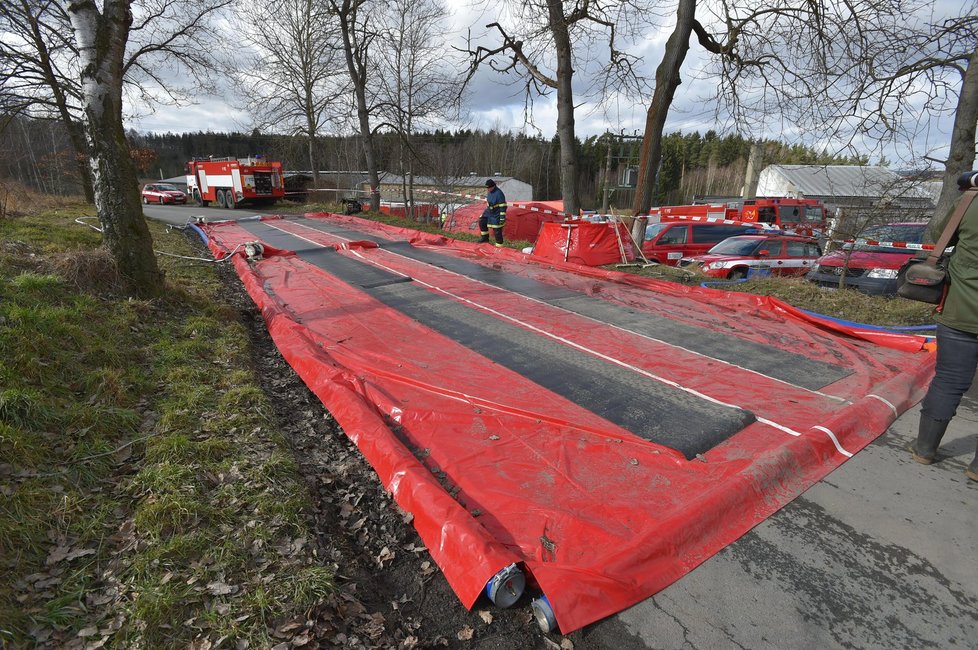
(220, 198)
(229, 201)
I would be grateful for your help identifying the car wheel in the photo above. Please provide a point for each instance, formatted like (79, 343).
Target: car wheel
(145, 201)
(220, 199)
(162, 201)
(738, 274)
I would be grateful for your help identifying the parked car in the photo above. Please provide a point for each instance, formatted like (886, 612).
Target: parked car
(670, 241)
(733, 258)
(869, 268)
(163, 193)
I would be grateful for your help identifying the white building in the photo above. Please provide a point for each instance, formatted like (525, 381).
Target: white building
(472, 185)
(848, 187)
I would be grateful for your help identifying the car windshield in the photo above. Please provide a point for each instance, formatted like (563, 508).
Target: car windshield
(737, 246)
(911, 233)
(166, 187)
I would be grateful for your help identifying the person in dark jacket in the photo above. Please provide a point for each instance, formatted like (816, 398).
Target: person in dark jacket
(957, 339)
(494, 216)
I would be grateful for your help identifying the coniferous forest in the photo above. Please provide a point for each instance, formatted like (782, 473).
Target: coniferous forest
(38, 154)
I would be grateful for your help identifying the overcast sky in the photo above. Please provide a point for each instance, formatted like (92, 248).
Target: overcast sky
(493, 104)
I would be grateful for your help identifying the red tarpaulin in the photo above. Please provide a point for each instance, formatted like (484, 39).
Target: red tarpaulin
(583, 242)
(414, 347)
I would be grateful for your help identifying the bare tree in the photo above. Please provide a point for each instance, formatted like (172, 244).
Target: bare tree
(418, 82)
(294, 76)
(358, 36)
(38, 66)
(101, 41)
(39, 59)
(544, 50)
(845, 72)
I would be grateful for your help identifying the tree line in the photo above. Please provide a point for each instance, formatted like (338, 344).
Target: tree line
(38, 154)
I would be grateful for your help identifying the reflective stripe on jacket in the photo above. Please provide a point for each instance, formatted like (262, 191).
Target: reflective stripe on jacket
(496, 202)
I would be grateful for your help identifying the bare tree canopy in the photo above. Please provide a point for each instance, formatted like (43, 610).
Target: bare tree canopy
(417, 78)
(856, 76)
(39, 60)
(296, 78)
(549, 39)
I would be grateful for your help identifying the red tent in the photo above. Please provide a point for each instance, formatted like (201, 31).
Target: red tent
(584, 242)
(523, 219)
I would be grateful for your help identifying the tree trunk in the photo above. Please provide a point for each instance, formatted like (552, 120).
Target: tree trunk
(961, 157)
(356, 62)
(76, 134)
(565, 108)
(667, 80)
(754, 164)
(101, 40)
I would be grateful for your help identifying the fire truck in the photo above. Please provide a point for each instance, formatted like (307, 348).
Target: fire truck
(231, 182)
(803, 216)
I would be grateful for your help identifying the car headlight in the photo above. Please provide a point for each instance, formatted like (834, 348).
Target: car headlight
(882, 274)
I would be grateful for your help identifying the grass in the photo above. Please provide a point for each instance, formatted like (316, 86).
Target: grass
(846, 304)
(138, 460)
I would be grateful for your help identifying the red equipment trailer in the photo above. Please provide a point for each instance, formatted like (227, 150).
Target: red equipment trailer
(804, 216)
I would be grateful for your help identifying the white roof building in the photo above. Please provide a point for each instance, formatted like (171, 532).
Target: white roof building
(513, 188)
(846, 186)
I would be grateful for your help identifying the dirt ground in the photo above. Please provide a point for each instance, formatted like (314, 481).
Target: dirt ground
(392, 595)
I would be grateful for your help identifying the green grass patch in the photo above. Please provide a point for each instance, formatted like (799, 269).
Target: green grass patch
(134, 437)
(846, 304)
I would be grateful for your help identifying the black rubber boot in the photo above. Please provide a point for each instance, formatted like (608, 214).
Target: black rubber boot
(972, 471)
(484, 239)
(928, 439)
(499, 237)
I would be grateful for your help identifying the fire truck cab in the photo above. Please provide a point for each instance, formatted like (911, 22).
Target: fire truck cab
(232, 182)
(803, 216)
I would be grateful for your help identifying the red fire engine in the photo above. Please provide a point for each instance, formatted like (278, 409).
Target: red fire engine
(799, 215)
(231, 182)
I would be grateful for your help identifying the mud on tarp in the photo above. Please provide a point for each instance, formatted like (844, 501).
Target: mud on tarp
(607, 432)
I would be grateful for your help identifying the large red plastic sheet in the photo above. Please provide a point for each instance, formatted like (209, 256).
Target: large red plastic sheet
(497, 469)
(584, 242)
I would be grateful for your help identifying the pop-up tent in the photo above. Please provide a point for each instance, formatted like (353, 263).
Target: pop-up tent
(584, 242)
(523, 220)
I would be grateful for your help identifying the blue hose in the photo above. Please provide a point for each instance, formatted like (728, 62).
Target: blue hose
(880, 328)
(718, 283)
(200, 232)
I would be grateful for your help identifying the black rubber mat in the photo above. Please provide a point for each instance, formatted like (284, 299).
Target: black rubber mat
(644, 406)
(772, 362)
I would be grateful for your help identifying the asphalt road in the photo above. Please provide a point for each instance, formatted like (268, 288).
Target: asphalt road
(882, 553)
(178, 214)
